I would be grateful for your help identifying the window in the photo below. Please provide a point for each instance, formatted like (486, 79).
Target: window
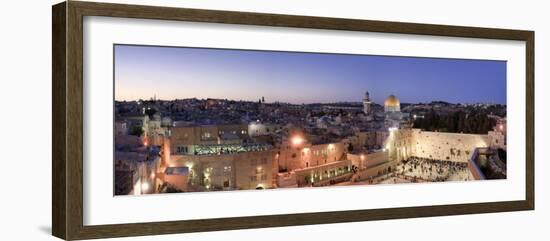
(259, 175)
(181, 149)
(227, 169)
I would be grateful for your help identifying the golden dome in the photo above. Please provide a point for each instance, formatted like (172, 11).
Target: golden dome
(391, 101)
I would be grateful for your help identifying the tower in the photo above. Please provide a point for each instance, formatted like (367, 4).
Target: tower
(367, 103)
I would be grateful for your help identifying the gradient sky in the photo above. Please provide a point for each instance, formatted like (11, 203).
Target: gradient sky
(179, 73)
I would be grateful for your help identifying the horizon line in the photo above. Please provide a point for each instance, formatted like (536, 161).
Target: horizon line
(282, 102)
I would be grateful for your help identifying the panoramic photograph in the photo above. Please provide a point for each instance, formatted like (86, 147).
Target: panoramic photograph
(204, 119)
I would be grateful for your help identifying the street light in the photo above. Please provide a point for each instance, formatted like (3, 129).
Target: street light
(144, 187)
(297, 140)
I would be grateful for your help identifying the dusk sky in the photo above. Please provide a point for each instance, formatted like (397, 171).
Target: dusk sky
(179, 73)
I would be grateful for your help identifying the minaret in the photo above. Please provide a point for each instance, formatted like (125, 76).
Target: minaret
(367, 104)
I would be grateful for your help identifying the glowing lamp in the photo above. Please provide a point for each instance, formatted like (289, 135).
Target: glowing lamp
(144, 187)
(297, 140)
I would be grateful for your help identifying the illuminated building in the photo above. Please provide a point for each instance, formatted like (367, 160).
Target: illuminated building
(210, 139)
(392, 104)
(242, 170)
(392, 111)
(221, 157)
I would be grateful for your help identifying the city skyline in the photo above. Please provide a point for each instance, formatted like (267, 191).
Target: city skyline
(168, 73)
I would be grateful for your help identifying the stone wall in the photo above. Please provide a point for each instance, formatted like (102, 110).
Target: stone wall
(445, 146)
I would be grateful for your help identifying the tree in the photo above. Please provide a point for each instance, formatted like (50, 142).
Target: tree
(136, 131)
(458, 122)
(150, 112)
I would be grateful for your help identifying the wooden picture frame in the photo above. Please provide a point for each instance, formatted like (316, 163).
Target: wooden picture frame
(67, 123)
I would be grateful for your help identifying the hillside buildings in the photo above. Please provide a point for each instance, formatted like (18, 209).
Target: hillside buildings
(209, 145)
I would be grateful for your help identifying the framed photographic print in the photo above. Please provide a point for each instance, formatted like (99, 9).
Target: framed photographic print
(171, 120)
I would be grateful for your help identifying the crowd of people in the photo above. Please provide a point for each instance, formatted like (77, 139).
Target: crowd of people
(424, 169)
(416, 170)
